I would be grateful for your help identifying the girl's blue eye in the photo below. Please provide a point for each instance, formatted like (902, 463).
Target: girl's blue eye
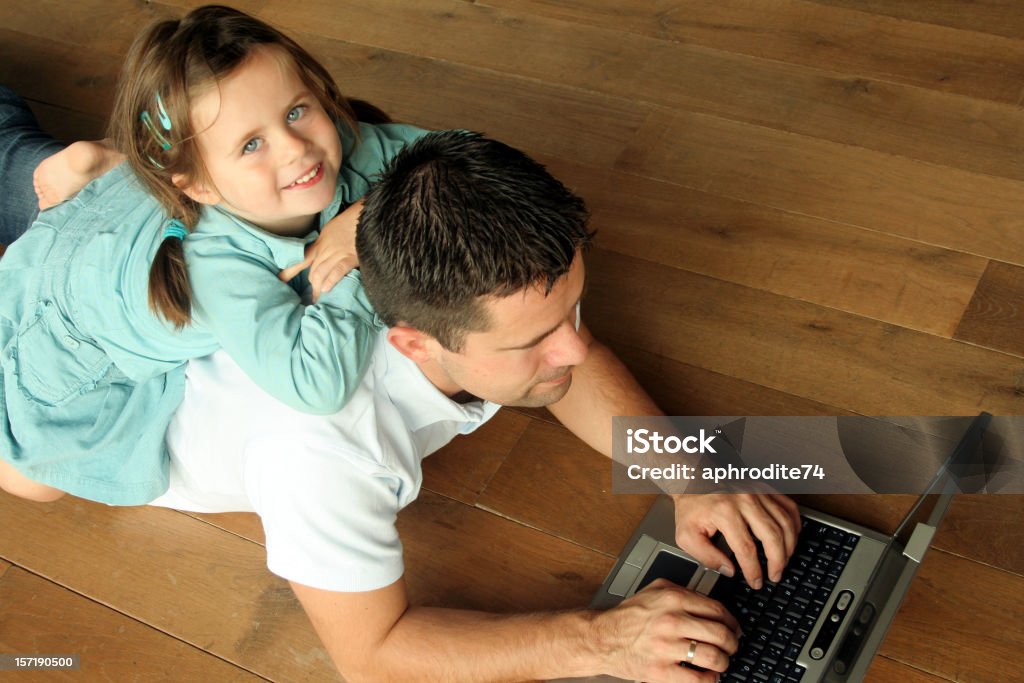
(252, 146)
(296, 113)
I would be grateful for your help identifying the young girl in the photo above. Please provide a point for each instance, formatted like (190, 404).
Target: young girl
(240, 148)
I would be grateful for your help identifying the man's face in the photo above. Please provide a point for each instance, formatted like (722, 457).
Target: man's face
(526, 356)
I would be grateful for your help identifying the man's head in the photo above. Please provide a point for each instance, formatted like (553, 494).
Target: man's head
(471, 252)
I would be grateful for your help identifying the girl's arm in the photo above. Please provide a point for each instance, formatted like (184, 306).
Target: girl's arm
(310, 357)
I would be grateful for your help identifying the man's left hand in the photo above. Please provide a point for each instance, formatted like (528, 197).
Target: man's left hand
(773, 519)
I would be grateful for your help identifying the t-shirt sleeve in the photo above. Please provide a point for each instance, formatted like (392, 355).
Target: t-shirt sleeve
(329, 520)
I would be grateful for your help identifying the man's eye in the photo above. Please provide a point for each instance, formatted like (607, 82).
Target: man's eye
(252, 146)
(296, 113)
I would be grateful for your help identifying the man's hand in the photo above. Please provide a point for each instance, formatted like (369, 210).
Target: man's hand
(332, 255)
(647, 636)
(377, 636)
(771, 518)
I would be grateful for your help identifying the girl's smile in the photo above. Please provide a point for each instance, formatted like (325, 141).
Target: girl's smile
(270, 151)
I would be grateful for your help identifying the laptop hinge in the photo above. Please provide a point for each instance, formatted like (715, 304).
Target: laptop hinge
(919, 541)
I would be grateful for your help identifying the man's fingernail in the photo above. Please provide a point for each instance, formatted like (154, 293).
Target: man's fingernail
(776, 577)
(756, 584)
(725, 570)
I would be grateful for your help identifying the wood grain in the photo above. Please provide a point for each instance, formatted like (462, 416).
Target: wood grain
(853, 110)
(458, 556)
(998, 17)
(963, 596)
(835, 38)
(198, 584)
(871, 368)
(553, 482)
(684, 389)
(825, 262)
(994, 318)
(462, 469)
(960, 211)
(40, 617)
(885, 670)
(985, 528)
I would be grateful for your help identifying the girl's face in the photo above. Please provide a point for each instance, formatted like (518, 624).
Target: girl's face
(271, 151)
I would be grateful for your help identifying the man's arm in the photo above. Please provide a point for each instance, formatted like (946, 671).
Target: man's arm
(377, 636)
(602, 388)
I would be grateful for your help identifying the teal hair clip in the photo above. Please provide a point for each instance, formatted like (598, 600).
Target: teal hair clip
(175, 229)
(148, 121)
(161, 113)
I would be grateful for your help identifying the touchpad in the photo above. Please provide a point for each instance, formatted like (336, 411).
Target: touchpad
(666, 565)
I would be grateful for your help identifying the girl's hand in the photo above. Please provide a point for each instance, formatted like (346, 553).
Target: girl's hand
(332, 255)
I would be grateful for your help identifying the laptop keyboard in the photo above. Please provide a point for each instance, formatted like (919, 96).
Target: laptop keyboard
(777, 620)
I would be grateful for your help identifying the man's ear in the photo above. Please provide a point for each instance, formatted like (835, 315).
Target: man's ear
(196, 191)
(415, 345)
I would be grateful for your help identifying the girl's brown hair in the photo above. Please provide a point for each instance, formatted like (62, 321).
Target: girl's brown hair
(168, 66)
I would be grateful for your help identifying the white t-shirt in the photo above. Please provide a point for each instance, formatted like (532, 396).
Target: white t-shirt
(327, 488)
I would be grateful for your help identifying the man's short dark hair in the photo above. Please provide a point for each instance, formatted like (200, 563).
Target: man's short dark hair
(456, 217)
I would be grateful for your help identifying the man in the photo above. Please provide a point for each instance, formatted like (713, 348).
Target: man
(472, 255)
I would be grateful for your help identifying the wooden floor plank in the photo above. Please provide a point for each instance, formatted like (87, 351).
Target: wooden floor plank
(871, 368)
(60, 74)
(684, 389)
(201, 585)
(981, 136)
(959, 211)
(835, 38)
(108, 27)
(965, 597)
(458, 556)
(986, 528)
(540, 118)
(837, 265)
(998, 17)
(993, 317)
(462, 469)
(38, 617)
(885, 670)
(554, 482)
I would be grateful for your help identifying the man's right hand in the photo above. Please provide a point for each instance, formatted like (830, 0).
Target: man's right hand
(647, 636)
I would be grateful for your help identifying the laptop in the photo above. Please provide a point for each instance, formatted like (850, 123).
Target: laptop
(824, 620)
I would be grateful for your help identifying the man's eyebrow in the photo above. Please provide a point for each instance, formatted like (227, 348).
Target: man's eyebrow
(533, 342)
(541, 337)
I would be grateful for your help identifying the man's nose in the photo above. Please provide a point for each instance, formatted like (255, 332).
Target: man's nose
(566, 347)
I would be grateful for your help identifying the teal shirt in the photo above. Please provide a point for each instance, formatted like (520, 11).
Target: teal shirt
(91, 377)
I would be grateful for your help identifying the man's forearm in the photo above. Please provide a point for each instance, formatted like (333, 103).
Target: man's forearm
(432, 644)
(602, 387)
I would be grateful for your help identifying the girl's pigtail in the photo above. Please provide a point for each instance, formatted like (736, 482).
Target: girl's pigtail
(170, 293)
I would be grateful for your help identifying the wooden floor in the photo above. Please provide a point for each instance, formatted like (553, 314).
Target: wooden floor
(804, 208)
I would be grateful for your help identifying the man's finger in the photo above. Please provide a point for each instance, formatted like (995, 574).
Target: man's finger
(709, 609)
(737, 535)
(705, 552)
(785, 522)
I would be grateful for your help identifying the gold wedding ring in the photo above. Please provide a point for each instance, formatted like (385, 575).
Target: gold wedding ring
(691, 652)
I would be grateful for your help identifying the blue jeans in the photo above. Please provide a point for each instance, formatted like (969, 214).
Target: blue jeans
(22, 146)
